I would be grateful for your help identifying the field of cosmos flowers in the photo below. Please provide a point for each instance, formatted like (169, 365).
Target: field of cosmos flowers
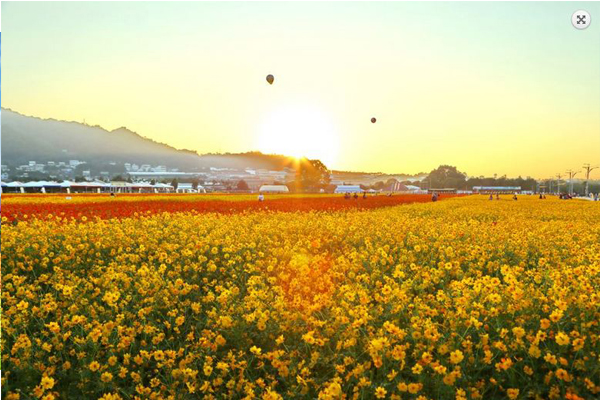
(185, 297)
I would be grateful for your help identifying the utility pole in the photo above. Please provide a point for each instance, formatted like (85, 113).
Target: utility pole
(558, 183)
(571, 175)
(588, 169)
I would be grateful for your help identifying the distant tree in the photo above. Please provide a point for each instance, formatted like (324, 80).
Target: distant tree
(80, 179)
(153, 181)
(380, 185)
(446, 176)
(195, 184)
(242, 185)
(175, 183)
(312, 175)
(330, 188)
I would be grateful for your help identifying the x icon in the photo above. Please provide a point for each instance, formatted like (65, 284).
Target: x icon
(581, 19)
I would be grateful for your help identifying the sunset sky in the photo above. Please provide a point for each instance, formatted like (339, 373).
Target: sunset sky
(507, 88)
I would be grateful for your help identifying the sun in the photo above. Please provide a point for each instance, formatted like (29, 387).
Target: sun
(299, 131)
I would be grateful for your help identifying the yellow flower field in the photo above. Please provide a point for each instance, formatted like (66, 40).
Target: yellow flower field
(460, 299)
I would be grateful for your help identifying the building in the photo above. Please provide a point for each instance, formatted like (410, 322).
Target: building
(414, 189)
(442, 190)
(274, 189)
(85, 187)
(188, 188)
(348, 189)
(496, 189)
(164, 174)
(395, 186)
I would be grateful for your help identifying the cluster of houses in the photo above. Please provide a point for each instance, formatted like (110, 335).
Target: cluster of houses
(85, 187)
(395, 187)
(120, 187)
(148, 187)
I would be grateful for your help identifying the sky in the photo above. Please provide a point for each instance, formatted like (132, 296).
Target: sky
(490, 87)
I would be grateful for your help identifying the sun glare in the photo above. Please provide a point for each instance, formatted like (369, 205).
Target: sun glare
(299, 132)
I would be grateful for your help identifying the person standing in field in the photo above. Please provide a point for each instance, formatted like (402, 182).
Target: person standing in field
(261, 197)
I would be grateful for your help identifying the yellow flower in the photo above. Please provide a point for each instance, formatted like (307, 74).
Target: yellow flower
(512, 393)
(456, 357)
(550, 358)
(271, 395)
(159, 355)
(47, 382)
(380, 393)
(556, 315)
(426, 357)
(518, 332)
(578, 344)
(94, 366)
(309, 338)
(563, 375)
(414, 388)
(562, 339)
(106, 377)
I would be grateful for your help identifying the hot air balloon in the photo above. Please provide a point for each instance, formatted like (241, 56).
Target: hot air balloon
(270, 79)
(373, 120)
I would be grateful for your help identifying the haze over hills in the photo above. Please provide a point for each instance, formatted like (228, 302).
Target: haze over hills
(26, 138)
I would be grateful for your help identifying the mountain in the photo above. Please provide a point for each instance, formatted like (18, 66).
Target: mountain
(26, 138)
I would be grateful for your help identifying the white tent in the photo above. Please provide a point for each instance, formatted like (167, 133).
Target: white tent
(274, 189)
(188, 188)
(348, 189)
